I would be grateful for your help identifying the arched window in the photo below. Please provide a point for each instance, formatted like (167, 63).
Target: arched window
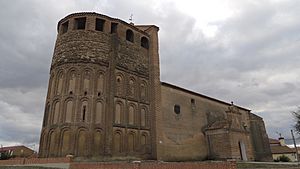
(72, 82)
(99, 112)
(52, 144)
(69, 111)
(98, 144)
(100, 83)
(55, 119)
(145, 42)
(43, 146)
(143, 91)
(59, 82)
(143, 117)
(129, 35)
(65, 148)
(51, 86)
(131, 91)
(144, 139)
(84, 111)
(82, 143)
(46, 115)
(118, 113)
(144, 142)
(117, 142)
(131, 114)
(131, 142)
(86, 85)
(119, 85)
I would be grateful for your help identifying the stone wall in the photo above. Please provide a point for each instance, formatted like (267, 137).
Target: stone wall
(105, 100)
(183, 138)
(204, 128)
(99, 92)
(156, 165)
(28, 161)
(262, 150)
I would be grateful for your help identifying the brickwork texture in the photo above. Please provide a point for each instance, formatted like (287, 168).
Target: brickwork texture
(105, 100)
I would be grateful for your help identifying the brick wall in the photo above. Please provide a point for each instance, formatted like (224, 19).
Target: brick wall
(80, 56)
(23, 161)
(155, 165)
(123, 165)
(47, 160)
(12, 162)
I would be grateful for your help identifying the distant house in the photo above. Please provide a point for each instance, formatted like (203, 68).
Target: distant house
(279, 148)
(17, 151)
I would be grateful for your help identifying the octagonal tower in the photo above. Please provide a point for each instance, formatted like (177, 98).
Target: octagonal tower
(103, 89)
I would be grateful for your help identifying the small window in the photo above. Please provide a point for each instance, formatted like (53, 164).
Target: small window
(193, 104)
(118, 79)
(193, 101)
(83, 113)
(129, 35)
(99, 24)
(113, 28)
(177, 109)
(80, 23)
(64, 27)
(145, 43)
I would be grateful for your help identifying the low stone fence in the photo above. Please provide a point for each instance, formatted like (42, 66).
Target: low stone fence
(12, 162)
(153, 165)
(123, 164)
(25, 161)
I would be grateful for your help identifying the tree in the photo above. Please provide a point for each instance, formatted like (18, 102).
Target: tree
(5, 156)
(296, 115)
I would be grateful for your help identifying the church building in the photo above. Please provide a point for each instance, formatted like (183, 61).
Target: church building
(105, 100)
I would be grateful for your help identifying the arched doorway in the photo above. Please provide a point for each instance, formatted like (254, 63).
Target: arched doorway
(243, 151)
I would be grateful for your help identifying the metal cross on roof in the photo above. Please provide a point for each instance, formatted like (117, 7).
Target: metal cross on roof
(131, 17)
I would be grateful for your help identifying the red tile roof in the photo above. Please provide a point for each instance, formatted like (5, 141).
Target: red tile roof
(273, 141)
(4, 149)
(282, 150)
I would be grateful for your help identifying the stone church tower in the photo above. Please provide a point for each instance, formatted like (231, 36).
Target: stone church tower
(105, 100)
(103, 89)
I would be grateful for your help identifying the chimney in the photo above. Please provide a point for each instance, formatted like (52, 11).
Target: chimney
(281, 141)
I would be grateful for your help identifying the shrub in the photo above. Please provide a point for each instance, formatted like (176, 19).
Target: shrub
(283, 158)
(5, 156)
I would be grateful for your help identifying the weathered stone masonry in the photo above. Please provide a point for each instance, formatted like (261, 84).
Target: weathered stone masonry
(105, 100)
(98, 101)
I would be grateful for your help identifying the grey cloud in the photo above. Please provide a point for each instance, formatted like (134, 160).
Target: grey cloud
(260, 42)
(21, 115)
(27, 38)
(249, 50)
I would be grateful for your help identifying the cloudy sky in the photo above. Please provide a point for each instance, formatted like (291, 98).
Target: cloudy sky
(241, 51)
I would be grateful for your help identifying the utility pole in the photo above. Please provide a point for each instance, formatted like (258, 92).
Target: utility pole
(297, 157)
